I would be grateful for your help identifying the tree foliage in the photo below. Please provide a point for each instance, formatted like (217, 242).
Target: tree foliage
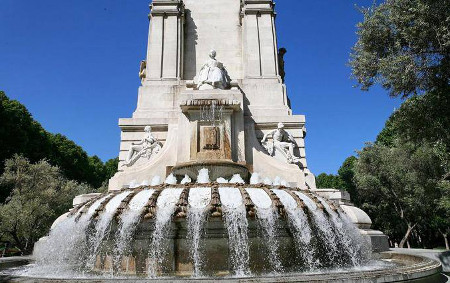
(403, 179)
(420, 119)
(328, 181)
(40, 193)
(342, 181)
(21, 134)
(404, 45)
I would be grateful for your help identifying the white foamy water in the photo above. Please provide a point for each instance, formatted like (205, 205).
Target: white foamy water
(63, 250)
(156, 181)
(166, 206)
(128, 223)
(301, 229)
(199, 199)
(260, 198)
(203, 176)
(237, 179)
(186, 180)
(347, 234)
(171, 180)
(222, 180)
(102, 226)
(254, 179)
(277, 181)
(267, 181)
(308, 202)
(235, 216)
(267, 219)
(322, 223)
(232, 197)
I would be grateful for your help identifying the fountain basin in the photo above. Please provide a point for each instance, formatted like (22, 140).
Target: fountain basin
(402, 267)
(223, 231)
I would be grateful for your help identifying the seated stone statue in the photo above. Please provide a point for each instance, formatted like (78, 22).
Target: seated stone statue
(213, 74)
(283, 141)
(147, 147)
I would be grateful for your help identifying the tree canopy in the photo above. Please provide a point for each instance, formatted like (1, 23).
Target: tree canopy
(404, 45)
(40, 193)
(403, 179)
(21, 134)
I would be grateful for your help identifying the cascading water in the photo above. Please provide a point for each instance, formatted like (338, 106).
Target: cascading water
(322, 236)
(166, 207)
(128, 224)
(212, 113)
(348, 235)
(102, 226)
(199, 199)
(63, 250)
(237, 179)
(267, 219)
(235, 217)
(186, 180)
(203, 176)
(171, 180)
(325, 232)
(156, 181)
(300, 228)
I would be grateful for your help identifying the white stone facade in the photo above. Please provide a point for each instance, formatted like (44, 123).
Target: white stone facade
(181, 35)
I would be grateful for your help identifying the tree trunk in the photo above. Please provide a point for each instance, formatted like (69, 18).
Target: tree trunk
(446, 241)
(405, 238)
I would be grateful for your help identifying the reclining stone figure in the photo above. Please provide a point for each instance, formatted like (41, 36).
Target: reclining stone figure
(283, 141)
(147, 147)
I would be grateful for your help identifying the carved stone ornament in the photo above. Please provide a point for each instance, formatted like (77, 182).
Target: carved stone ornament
(212, 75)
(283, 144)
(148, 147)
(143, 70)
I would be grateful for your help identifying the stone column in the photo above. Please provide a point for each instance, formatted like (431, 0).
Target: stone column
(260, 44)
(165, 41)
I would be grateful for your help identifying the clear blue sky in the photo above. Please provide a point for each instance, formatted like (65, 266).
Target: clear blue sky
(74, 65)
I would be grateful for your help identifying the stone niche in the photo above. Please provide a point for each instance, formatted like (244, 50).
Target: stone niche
(215, 122)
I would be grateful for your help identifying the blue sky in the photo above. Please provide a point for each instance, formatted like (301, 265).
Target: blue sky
(74, 65)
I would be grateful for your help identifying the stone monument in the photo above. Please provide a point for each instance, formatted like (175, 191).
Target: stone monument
(226, 63)
(214, 97)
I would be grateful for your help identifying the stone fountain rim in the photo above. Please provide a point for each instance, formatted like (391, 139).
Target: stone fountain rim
(420, 268)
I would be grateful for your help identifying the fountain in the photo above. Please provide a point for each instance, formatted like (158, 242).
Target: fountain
(213, 181)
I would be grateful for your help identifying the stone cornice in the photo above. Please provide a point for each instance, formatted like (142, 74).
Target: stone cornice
(252, 7)
(166, 8)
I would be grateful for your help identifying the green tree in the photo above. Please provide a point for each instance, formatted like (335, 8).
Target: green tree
(111, 167)
(441, 219)
(420, 119)
(40, 194)
(404, 45)
(401, 179)
(21, 134)
(325, 181)
(347, 173)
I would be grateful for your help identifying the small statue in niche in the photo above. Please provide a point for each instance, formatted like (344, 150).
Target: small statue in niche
(213, 74)
(281, 53)
(143, 70)
(282, 141)
(147, 147)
